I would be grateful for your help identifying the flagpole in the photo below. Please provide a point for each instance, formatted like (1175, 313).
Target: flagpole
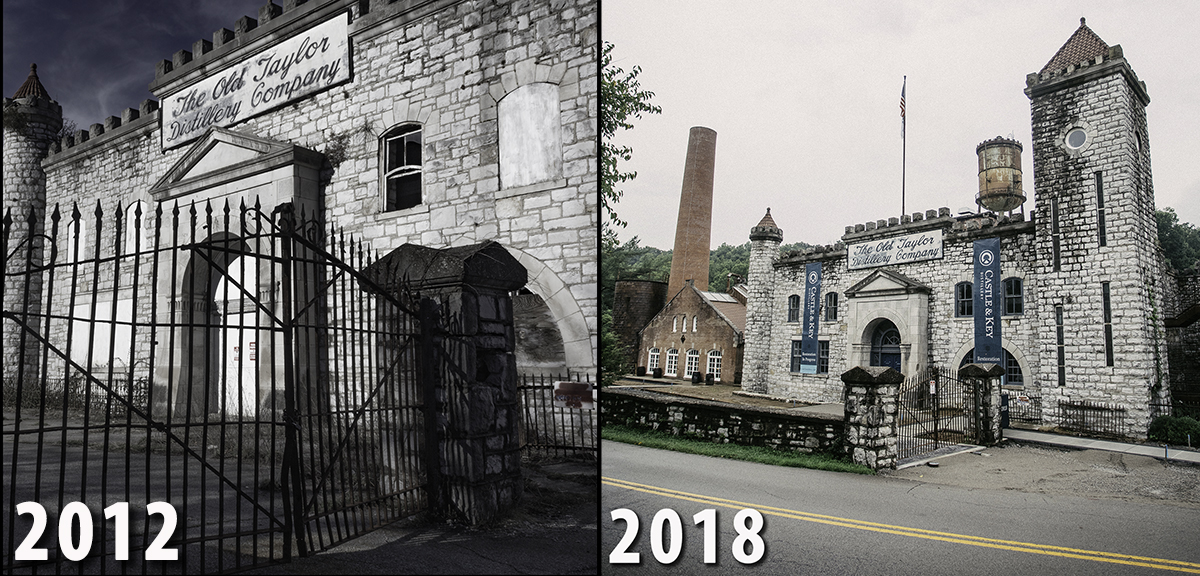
(903, 147)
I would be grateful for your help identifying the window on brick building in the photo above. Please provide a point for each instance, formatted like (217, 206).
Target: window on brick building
(714, 364)
(674, 323)
(695, 322)
(652, 363)
(964, 301)
(672, 368)
(831, 304)
(402, 167)
(1014, 296)
(793, 308)
(692, 364)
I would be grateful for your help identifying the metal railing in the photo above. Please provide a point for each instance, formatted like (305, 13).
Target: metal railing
(550, 430)
(231, 362)
(1087, 418)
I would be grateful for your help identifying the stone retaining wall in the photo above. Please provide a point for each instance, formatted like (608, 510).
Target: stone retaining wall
(722, 423)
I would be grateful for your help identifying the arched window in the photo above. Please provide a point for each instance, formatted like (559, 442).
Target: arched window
(672, 368)
(1012, 368)
(885, 345)
(964, 301)
(1014, 296)
(831, 304)
(674, 323)
(714, 364)
(693, 363)
(793, 308)
(529, 127)
(695, 322)
(652, 363)
(685, 322)
(401, 163)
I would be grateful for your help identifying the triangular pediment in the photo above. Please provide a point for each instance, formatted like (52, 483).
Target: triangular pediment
(222, 155)
(885, 282)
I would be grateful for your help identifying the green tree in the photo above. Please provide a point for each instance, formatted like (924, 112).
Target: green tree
(621, 101)
(1180, 240)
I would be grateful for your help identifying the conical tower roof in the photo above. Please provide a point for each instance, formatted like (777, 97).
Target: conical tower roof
(766, 229)
(1082, 46)
(32, 86)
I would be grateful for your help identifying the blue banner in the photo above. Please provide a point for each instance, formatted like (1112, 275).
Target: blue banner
(989, 296)
(812, 306)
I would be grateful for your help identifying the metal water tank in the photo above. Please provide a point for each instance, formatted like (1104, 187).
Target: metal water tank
(1000, 174)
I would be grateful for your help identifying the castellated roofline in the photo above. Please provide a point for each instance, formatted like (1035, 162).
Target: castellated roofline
(131, 121)
(1111, 62)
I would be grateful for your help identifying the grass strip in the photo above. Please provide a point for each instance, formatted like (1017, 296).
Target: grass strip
(760, 454)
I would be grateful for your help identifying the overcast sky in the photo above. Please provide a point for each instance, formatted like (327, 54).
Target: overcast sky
(97, 58)
(804, 97)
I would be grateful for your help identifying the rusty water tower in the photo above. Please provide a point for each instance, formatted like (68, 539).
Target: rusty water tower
(1000, 175)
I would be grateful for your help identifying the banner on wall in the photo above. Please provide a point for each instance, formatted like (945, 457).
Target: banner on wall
(988, 298)
(812, 306)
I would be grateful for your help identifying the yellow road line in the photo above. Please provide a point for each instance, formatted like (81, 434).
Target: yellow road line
(1029, 547)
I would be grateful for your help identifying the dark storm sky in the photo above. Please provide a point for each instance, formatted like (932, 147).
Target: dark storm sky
(97, 58)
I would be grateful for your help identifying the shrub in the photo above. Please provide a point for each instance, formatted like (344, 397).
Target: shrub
(1175, 430)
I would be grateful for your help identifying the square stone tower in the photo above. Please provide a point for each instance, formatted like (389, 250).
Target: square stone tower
(1097, 259)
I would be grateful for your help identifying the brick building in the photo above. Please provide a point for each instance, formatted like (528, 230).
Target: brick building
(444, 123)
(1084, 294)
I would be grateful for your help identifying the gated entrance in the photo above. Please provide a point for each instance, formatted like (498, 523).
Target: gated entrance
(936, 409)
(238, 364)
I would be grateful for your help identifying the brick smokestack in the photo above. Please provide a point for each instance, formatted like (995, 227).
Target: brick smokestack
(694, 229)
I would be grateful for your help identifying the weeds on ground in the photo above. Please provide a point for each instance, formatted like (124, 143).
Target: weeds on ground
(759, 454)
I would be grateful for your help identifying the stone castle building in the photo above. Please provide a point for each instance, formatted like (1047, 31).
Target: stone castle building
(444, 123)
(1084, 294)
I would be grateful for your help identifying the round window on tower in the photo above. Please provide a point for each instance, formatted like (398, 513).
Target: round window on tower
(1076, 138)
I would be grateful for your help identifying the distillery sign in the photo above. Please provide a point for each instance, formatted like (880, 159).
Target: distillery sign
(895, 250)
(303, 65)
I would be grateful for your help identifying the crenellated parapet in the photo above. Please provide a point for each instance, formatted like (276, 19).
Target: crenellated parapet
(131, 121)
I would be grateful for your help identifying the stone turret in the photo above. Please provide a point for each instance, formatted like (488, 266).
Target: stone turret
(1100, 277)
(31, 120)
(765, 238)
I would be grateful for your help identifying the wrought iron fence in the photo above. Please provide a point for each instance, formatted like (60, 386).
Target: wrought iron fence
(231, 362)
(1024, 408)
(1088, 418)
(935, 409)
(548, 429)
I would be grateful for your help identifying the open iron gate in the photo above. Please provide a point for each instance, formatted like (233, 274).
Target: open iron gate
(936, 410)
(231, 362)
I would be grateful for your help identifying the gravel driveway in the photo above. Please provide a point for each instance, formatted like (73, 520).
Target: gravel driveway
(1046, 470)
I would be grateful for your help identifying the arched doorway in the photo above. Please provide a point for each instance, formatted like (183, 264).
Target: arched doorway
(885, 345)
(212, 319)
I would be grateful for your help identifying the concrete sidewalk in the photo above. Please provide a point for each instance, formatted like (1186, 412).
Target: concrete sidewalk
(1170, 453)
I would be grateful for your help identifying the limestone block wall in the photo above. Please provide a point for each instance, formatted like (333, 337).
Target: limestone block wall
(760, 285)
(722, 423)
(445, 66)
(948, 337)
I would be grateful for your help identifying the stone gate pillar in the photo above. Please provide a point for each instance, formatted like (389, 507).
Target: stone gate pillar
(872, 393)
(984, 380)
(469, 360)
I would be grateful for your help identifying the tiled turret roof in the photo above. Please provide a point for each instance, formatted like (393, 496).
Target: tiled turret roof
(767, 221)
(1083, 45)
(32, 86)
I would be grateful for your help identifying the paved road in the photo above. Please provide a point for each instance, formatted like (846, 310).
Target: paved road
(829, 523)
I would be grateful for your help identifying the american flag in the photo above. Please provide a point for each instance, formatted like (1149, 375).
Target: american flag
(902, 88)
